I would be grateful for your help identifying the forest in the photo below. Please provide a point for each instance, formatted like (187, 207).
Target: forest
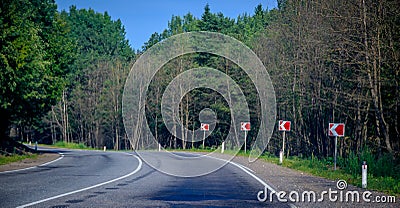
(63, 75)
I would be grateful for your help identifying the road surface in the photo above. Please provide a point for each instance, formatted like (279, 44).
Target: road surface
(119, 179)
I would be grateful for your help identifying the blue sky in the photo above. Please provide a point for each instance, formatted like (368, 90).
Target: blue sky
(143, 18)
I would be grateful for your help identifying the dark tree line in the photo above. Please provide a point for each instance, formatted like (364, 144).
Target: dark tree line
(340, 60)
(330, 61)
(34, 57)
(62, 74)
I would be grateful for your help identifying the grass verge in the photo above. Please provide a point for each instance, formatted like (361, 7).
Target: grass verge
(15, 158)
(324, 168)
(69, 145)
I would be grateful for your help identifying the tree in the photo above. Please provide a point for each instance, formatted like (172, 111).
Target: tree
(341, 63)
(35, 52)
(90, 109)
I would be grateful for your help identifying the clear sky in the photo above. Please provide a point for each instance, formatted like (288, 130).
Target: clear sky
(144, 17)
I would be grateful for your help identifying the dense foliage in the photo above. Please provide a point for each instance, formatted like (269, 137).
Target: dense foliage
(330, 62)
(62, 75)
(34, 55)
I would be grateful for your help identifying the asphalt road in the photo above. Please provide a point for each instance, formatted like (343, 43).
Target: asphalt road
(117, 179)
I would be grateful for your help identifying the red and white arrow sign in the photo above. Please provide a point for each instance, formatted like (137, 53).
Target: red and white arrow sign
(204, 127)
(245, 126)
(284, 125)
(336, 129)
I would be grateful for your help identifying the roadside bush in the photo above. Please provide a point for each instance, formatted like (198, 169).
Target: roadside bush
(71, 145)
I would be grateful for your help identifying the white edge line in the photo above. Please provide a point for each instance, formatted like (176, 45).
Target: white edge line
(17, 170)
(87, 188)
(48, 163)
(247, 170)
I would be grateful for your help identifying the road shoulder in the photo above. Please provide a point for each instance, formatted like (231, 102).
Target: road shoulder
(30, 162)
(289, 180)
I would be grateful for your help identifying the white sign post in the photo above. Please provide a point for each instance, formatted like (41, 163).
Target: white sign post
(204, 127)
(245, 126)
(284, 126)
(364, 174)
(336, 130)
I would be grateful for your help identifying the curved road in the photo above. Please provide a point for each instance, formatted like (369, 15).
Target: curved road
(118, 179)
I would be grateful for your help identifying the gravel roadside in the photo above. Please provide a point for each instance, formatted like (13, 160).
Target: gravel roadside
(289, 180)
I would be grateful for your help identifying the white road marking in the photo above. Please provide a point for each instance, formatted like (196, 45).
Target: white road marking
(247, 170)
(12, 171)
(87, 188)
(48, 163)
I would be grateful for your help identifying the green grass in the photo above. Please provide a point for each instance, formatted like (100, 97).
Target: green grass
(15, 158)
(324, 168)
(70, 145)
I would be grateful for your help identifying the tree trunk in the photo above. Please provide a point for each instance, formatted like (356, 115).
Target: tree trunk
(373, 79)
(4, 124)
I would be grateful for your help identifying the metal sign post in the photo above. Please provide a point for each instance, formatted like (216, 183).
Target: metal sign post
(204, 127)
(284, 126)
(335, 152)
(245, 141)
(336, 130)
(245, 126)
(204, 139)
(283, 142)
(282, 152)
